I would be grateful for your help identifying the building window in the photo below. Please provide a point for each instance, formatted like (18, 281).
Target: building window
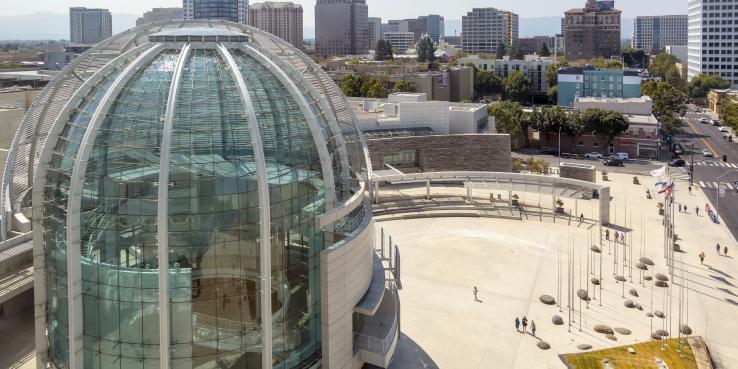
(403, 158)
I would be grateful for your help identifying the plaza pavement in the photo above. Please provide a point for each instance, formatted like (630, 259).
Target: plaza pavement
(513, 262)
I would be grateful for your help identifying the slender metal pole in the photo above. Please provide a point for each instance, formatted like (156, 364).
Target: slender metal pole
(691, 168)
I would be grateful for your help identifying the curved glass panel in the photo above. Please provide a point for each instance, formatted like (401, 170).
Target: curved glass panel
(296, 197)
(119, 225)
(213, 222)
(56, 193)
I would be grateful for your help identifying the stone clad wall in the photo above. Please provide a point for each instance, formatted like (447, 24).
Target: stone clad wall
(473, 152)
(576, 171)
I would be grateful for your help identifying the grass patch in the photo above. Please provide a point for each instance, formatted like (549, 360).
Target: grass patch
(642, 359)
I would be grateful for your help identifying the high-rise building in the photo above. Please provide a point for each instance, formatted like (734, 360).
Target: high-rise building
(283, 19)
(435, 27)
(160, 15)
(483, 29)
(200, 202)
(375, 31)
(341, 27)
(228, 10)
(711, 39)
(593, 31)
(400, 40)
(89, 26)
(653, 34)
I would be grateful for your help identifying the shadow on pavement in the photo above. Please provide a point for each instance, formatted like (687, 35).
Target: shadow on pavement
(409, 355)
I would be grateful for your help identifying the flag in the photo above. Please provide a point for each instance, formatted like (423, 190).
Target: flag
(658, 173)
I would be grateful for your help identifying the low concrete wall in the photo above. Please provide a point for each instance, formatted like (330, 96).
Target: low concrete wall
(581, 172)
(474, 152)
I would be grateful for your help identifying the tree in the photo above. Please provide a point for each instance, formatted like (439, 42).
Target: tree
(487, 82)
(661, 65)
(543, 50)
(607, 124)
(635, 58)
(383, 51)
(700, 85)
(508, 119)
(669, 104)
(553, 94)
(426, 50)
(515, 54)
(404, 85)
(351, 86)
(649, 88)
(501, 50)
(729, 112)
(517, 86)
(552, 72)
(373, 88)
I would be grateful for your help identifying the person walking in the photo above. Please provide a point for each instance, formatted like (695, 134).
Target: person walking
(725, 251)
(475, 293)
(718, 249)
(616, 236)
(690, 189)
(622, 237)
(680, 208)
(533, 327)
(702, 258)
(525, 324)
(581, 218)
(607, 234)
(517, 324)
(697, 210)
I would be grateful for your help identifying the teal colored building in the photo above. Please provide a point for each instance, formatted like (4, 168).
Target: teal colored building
(594, 82)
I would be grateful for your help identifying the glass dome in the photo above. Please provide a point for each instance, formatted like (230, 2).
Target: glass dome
(204, 154)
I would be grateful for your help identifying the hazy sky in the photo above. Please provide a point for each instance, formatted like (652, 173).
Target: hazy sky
(394, 9)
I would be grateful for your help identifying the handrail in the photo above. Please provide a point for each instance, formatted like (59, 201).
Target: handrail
(376, 344)
(339, 212)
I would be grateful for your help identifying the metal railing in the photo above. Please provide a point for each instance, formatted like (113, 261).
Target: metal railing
(380, 345)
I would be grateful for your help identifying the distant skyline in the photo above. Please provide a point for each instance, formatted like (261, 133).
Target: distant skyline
(386, 9)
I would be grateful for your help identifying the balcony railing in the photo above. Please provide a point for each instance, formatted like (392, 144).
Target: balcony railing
(380, 345)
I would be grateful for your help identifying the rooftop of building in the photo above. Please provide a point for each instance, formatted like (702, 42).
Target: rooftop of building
(275, 5)
(615, 100)
(589, 68)
(642, 120)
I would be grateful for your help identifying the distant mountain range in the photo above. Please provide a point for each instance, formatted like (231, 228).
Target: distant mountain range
(53, 26)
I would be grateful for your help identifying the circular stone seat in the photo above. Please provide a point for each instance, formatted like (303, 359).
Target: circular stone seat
(662, 333)
(633, 292)
(557, 320)
(620, 278)
(655, 336)
(547, 299)
(583, 295)
(661, 277)
(543, 345)
(611, 337)
(659, 314)
(641, 266)
(623, 331)
(595, 249)
(584, 347)
(629, 304)
(649, 315)
(685, 329)
(638, 306)
(647, 278)
(603, 329)
(661, 284)
(646, 261)
(595, 281)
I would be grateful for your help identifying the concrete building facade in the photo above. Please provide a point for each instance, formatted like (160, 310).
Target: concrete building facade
(594, 82)
(653, 33)
(227, 10)
(374, 25)
(341, 27)
(592, 32)
(282, 19)
(453, 84)
(712, 29)
(534, 69)
(484, 29)
(89, 26)
(160, 15)
(401, 41)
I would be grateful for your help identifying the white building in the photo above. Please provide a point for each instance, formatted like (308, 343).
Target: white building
(534, 68)
(711, 36)
(402, 112)
(653, 33)
(401, 41)
(483, 29)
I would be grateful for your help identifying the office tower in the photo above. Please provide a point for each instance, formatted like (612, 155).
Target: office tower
(593, 31)
(653, 34)
(89, 26)
(161, 15)
(228, 10)
(341, 27)
(483, 29)
(375, 31)
(400, 40)
(283, 19)
(195, 206)
(435, 27)
(712, 47)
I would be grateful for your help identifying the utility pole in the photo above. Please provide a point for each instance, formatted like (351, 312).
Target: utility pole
(691, 167)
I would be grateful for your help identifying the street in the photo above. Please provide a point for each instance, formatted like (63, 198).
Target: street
(711, 173)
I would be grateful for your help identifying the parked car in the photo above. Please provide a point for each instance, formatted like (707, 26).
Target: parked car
(623, 156)
(613, 163)
(716, 123)
(724, 129)
(593, 155)
(707, 153)
(703, 120)
(677, 163)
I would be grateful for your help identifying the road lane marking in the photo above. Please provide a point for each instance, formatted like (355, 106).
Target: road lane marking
(702, 184)
(701, 138)
(730, 186)
(714, 184)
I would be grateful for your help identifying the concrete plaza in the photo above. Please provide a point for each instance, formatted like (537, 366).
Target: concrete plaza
(514, 262)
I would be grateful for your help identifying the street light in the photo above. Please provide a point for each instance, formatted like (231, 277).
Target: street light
(717, 202)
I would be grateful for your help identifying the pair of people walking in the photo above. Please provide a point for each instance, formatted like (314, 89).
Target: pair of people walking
(524, 323)
(725, 250)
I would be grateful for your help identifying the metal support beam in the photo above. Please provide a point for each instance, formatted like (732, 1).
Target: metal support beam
(74, 242)
(265, 256)
(163, 213)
